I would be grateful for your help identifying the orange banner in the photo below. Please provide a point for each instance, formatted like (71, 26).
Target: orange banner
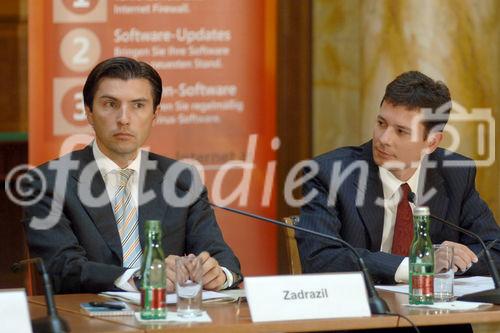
(217, 61)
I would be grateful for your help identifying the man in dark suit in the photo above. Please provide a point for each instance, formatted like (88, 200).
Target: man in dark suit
(361, 194)
(87, 219)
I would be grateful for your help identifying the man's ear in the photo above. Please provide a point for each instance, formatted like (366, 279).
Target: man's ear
(433, 140)
(155, 114)
(90, 116)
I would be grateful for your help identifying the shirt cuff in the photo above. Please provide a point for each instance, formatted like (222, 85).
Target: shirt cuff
(229, 278)
(402, 272)
(122, 281)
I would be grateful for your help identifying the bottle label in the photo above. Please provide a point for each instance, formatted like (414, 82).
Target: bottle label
(153, 298)
(422, 285)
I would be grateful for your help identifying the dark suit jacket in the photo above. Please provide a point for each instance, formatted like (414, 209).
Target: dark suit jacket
(456, 200)
(82, 248)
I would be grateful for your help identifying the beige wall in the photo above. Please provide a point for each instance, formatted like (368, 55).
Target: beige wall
(361, 45)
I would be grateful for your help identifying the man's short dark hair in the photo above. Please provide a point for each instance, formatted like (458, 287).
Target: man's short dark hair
(125, 69)
(415, 90)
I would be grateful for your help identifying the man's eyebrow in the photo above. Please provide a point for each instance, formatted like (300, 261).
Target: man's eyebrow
(142, 99)
(108, 97)
(379, 117)
(404, 128)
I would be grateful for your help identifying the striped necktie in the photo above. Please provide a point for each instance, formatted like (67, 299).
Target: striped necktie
(127, 221)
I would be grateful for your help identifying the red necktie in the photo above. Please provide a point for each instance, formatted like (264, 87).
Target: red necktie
(403, 229)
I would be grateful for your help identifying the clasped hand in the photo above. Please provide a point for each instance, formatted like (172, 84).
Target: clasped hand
(213, 275)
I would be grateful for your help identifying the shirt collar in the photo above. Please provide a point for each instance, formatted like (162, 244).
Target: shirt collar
(106, 165)
(391, 184)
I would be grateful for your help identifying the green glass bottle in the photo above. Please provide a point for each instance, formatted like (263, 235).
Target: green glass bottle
(153, 283)
(421, 279)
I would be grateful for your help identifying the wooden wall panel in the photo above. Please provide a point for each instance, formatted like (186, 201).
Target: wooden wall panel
(294, 99)
(12, 242)
(13, 62)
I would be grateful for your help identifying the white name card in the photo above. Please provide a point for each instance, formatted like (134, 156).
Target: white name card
(14, 314)
(307, 296)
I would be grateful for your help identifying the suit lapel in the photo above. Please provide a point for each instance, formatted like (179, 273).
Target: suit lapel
(372, 209)
(152, 206)
(102, 216)
(434, 195)
(372, 214)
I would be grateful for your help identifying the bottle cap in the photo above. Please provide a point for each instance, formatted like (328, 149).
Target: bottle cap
(153, 225)
(421, 211)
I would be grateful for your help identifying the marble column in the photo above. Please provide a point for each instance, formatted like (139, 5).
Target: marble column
(359, 46)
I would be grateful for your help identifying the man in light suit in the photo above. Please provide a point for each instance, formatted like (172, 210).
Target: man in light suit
(88, 221)
(361, 194)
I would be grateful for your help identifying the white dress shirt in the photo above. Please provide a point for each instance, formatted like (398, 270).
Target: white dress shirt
(110, 173)
(391, 185)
